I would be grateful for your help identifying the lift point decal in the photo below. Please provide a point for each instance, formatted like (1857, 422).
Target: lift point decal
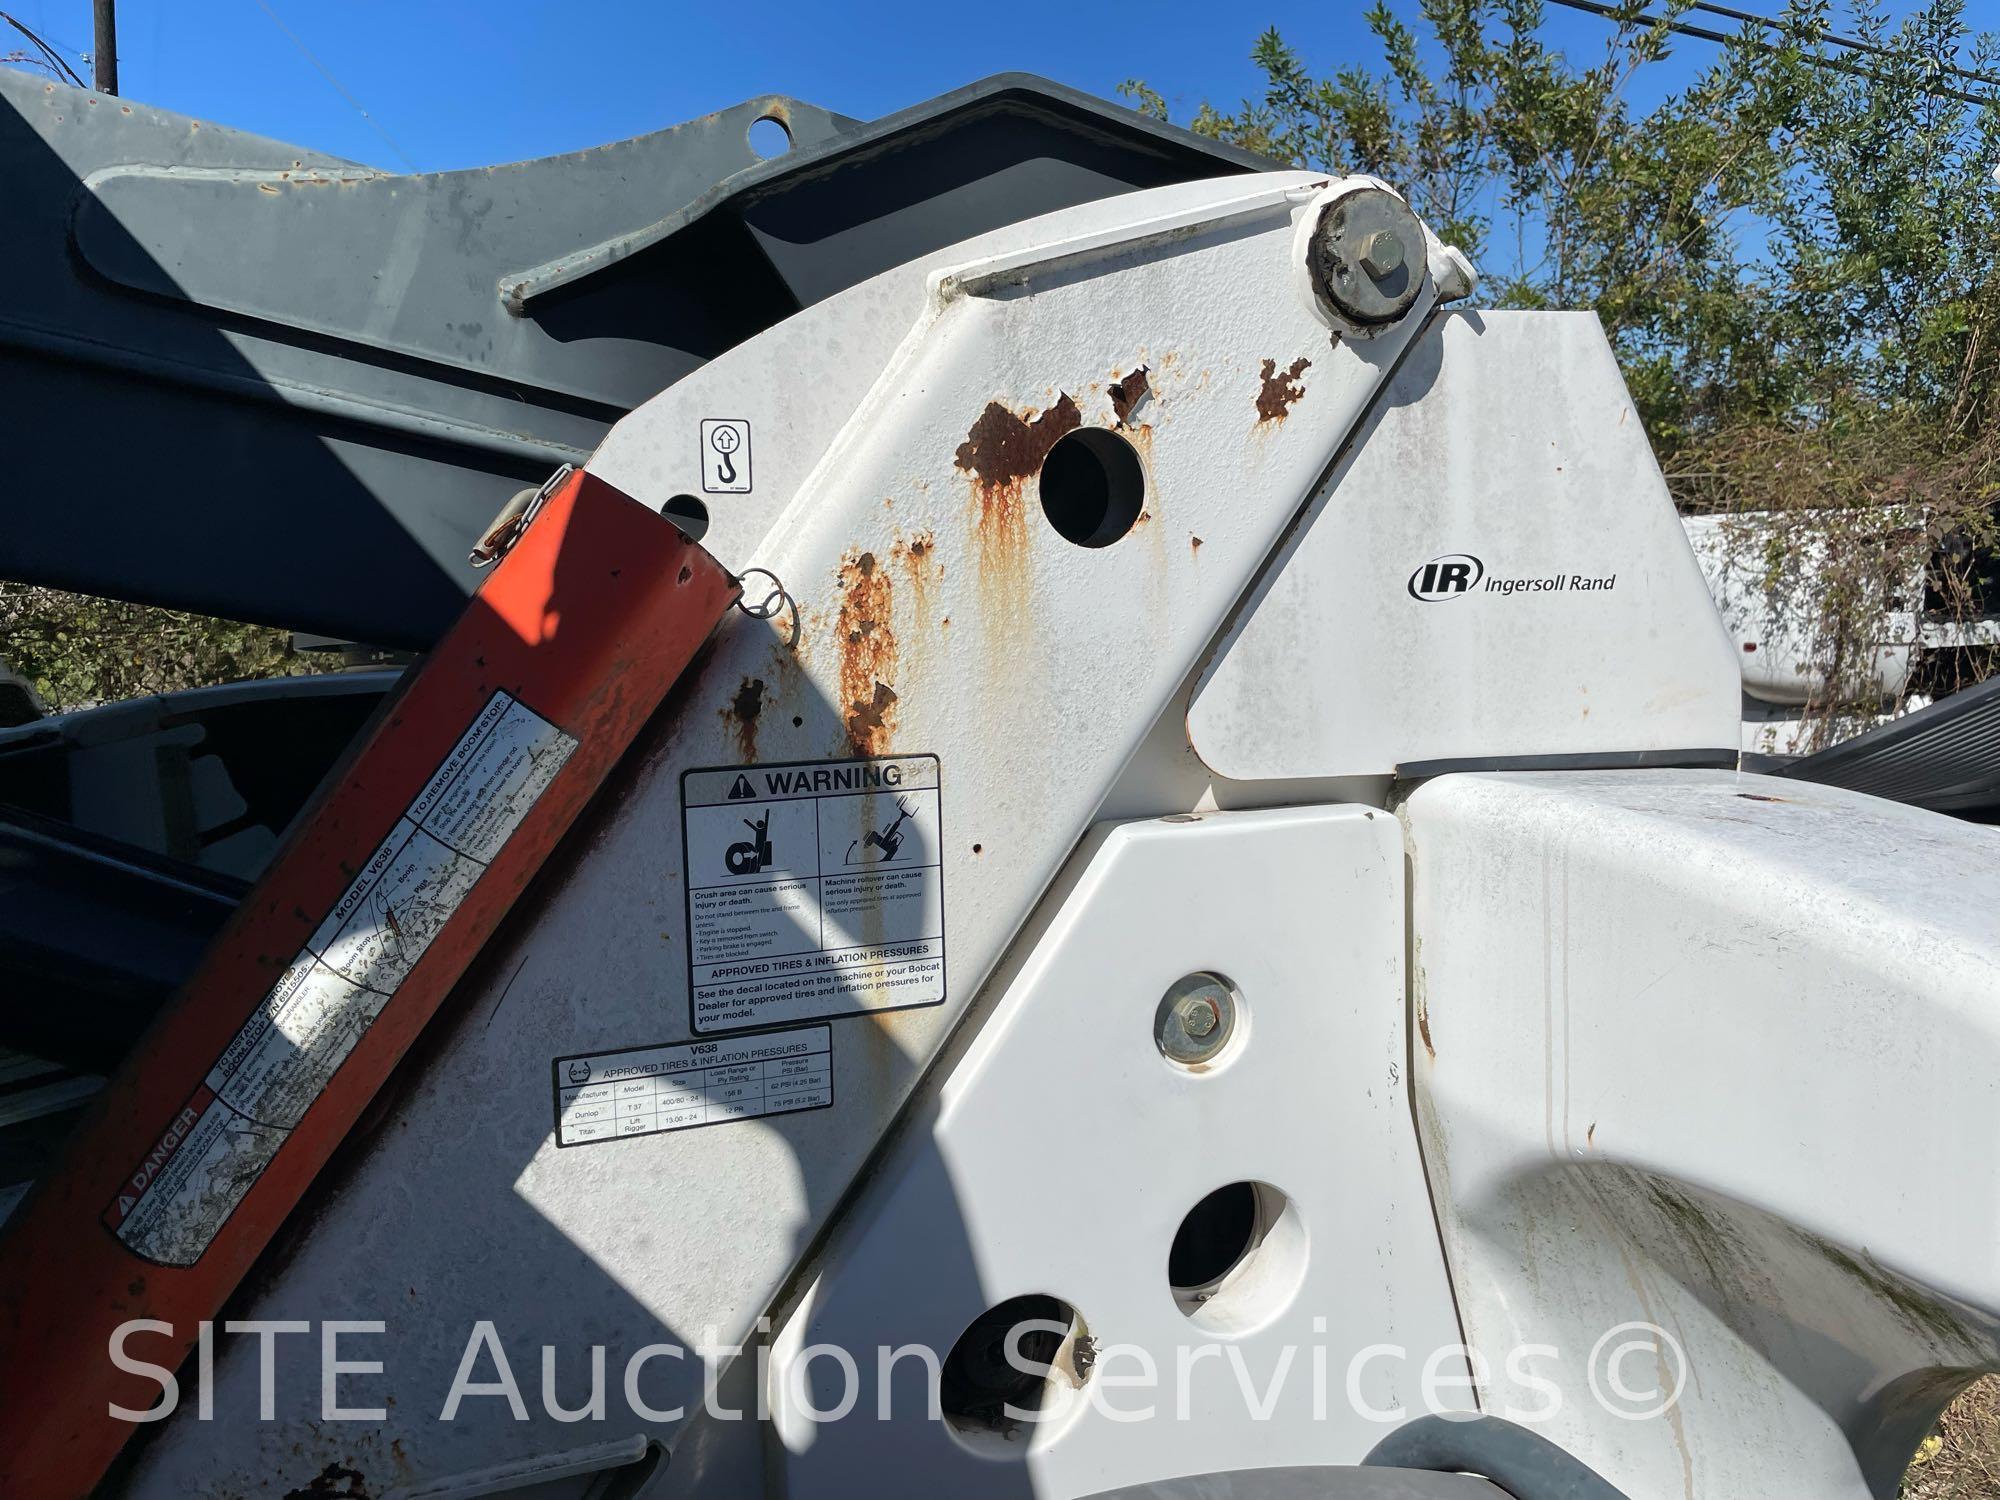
(212, 1153)
(814, 889)
(725, 456)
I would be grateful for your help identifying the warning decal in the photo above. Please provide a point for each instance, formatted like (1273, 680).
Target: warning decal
(814, 889)
(213, 1152)
(647, 1090)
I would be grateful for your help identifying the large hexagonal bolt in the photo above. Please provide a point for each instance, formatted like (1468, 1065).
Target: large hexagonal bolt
(1366, 258)
(1382, 254)
(1196, 1018)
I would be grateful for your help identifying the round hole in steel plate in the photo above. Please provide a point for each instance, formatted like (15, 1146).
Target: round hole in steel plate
(1238, 1258)
(1093, 486)
(768, 137)
(979, 1380)
(689, 515)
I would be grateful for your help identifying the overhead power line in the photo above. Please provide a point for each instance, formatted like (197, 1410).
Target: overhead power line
(1708, 34)
(51, 58)
(340, 89)
(1852, 44)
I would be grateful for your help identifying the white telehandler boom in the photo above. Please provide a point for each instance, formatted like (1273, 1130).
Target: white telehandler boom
(1250, 957)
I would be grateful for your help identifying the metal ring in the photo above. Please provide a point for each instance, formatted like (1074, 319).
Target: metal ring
(773, 604)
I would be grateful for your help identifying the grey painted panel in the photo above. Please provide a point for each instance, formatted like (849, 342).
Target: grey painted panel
(268, 384)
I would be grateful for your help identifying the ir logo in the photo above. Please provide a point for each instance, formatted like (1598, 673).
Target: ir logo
(725, 456)
(1446, 577)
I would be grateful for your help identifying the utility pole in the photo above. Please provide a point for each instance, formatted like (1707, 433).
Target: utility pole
(104, 59)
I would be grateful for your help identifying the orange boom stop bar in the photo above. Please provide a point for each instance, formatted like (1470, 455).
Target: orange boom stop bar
(389, 887)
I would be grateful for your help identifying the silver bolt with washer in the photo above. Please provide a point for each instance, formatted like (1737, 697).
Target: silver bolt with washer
(1382, 254)
(1196, 1018)
(1364, 258)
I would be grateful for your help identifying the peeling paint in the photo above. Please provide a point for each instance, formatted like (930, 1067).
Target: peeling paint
(1003, 449)
(869, 722)
(1126, 394)
(1281, 389)
(867, 654)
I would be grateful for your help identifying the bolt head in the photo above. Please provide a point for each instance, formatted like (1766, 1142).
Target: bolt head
(1361, 254)
(1381, 254)
(1195, 1020)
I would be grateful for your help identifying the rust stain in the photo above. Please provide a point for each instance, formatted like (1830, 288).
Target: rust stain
(1281, 389)
(1003, 449)
(867, 654)
(1128, 393)
(1194, 543)
(782, 688)
(741, 714)
(1001, 454)
(918, 559)
(870, 721)
(1424, 1028)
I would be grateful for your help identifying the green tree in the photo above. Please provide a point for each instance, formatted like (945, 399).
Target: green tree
(79, 651)
(1793, 255)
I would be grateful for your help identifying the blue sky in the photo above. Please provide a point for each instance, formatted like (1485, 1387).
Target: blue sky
(459, 83)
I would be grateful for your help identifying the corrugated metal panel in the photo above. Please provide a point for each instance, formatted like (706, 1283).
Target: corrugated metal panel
(1945, 757)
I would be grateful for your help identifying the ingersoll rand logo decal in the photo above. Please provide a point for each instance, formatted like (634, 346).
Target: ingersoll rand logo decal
(1446, 577)
(1459, 573)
